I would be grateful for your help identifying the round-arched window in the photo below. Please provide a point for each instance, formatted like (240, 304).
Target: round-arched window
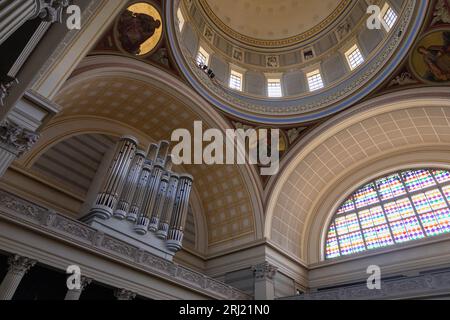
(401, 207)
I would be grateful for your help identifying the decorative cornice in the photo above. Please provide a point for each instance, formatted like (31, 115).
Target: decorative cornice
(16, 139)
(411, 287)
(54, 224)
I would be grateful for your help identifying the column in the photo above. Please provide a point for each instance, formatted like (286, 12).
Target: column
(129, 189)
(264, 285)
(151, 191)
(14, 13)
(169, 201)
(139, 194)
(14, 141)
(18, 267)
(179, 215)
(75, 294)
(122, 294)
(115, 179)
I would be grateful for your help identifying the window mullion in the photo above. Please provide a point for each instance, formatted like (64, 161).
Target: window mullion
(412, 205)
(439, 187)
(384, 212)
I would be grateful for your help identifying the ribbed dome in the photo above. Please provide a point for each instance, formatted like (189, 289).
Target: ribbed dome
(289, 61)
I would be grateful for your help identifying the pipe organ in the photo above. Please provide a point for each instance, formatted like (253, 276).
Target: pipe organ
(141, 199)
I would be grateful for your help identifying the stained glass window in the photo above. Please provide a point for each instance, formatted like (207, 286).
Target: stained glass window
(401, 207)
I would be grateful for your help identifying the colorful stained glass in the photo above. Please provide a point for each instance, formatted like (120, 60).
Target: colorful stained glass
(441, 176)
(418, 180)
(347, 224)
(436, 199)
(332, 250)
(372, 217)
(347, 207)
(446, 191)
(421, 203)
(351, 243)
(371, 237)
(384, 236)
(332, 231)
(366, 196)
(378, 237)
(430, 224)
(399, 232)
(414, 229)
(399, 208)
(390, 187)
(443, 217)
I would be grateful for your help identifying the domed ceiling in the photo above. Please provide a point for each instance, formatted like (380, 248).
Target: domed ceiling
(272, 22)
(294, 42)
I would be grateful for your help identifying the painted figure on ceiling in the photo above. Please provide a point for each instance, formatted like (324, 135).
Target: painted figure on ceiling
(135, 29)
(437, 58)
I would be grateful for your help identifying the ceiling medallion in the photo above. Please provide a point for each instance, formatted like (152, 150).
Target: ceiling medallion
(139, 29)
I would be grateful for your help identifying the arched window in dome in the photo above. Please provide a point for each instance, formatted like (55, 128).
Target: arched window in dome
(401, 207)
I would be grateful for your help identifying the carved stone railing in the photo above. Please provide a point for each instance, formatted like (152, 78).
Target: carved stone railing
(427, 285)
(52, 223)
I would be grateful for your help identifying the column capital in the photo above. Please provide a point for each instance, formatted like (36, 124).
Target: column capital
(123, 294)
(5, 88)
(51, 10)
(85, 281)
(16, 139)
(20, 265)
(264, 271)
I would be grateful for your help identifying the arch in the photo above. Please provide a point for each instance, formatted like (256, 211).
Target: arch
(80, 111)
(403, 122)
(400, 207)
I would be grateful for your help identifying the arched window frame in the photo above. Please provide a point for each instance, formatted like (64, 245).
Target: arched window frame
(408, 196)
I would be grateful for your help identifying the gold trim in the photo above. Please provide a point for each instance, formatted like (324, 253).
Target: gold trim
(272, 43)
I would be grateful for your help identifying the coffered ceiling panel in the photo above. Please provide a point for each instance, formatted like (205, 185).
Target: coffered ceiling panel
(225, 198)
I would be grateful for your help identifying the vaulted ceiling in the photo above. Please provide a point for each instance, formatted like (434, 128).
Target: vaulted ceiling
(226, 195)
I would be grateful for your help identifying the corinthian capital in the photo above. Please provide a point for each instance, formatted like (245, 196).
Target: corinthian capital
(51, 10)
(16, 139)
(20, 265)
(264, 271)
(122, 294)
(5, 88)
